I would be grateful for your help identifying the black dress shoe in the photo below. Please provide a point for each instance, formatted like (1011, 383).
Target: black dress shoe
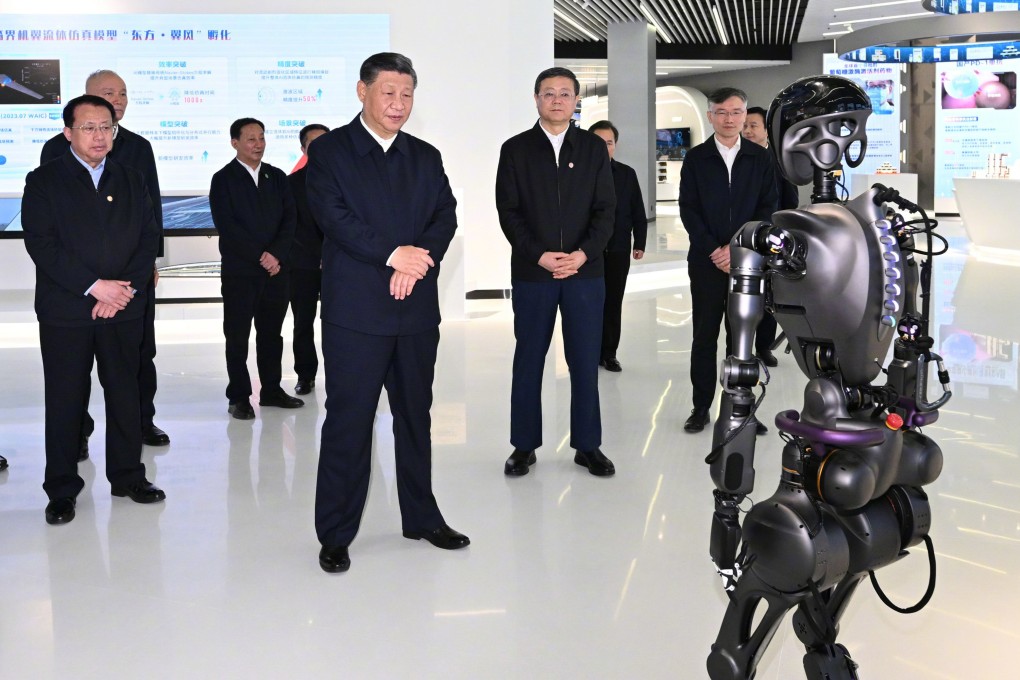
(611, 364)
(83, 452)
(140, 492)
(596, 462)
(760, 428)
(768, 358)
(334, 559)
(697, 421)
(444, 537)
(241, 410)
(281, 400)
(304, 387)
(60, 511)
(519, 463)
(3, 463)
(153, 436)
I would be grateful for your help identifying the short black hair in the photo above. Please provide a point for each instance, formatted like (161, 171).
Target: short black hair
(758, 110)
(605, 125)
(557, 72)
(386, 61)
(724, 93)
(86, 100)
(235, 127)
(303, 135)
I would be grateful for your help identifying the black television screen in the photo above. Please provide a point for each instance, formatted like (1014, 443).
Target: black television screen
(671, 144)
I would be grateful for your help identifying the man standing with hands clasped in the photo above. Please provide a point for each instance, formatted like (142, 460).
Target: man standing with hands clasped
(556, 204)
(384, 204)
(723, 184)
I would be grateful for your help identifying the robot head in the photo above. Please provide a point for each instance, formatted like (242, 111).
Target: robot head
(813, 122)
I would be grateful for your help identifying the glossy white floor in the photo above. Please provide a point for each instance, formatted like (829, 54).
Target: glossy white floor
(568, 576)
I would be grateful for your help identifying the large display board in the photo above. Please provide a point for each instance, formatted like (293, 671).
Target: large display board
(976, 123)
(188, 78)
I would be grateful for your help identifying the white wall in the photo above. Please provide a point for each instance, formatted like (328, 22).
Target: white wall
(476, 64)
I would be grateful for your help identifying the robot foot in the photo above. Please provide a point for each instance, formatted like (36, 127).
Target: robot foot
(830, 662)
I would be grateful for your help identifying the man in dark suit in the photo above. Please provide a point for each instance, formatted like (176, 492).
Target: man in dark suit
(630, 219)
(755, 131)
(91, 230)
(135, 152)
(253, 211)
(556, 203)
(306, 271)
(384, 204)
(723, 184)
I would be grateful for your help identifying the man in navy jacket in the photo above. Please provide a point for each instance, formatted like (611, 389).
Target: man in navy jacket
(253, 211)
(92, 233)
(135, 152)
(384, 204)
(556, 202)
(723, 184)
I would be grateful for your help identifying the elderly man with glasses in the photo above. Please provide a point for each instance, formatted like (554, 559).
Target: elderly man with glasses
(91, 230)
(723, 184)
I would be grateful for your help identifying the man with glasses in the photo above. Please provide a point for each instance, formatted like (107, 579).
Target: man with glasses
(556, 204)
(723, 184)
(135, 152)
(91, 230)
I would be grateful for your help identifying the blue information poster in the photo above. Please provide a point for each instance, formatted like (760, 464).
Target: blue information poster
(882, 83)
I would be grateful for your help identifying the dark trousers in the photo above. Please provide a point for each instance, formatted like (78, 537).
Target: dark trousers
(67, 355)
(581, 303)
(305, 285)
(765, 334)
(617, 268)
(263, 299)
(146, 368)
(357, 366)
(709, 290)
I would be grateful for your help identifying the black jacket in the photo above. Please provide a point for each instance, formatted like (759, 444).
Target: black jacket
(713, 205)
(131, 150)
(250, 219)
(77, 234)
(368, 203)
(544, 207)
(306, 253)
(630, 211)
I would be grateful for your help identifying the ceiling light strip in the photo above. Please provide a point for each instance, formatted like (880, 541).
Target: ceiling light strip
(681, 23)
(690, 19)
(576, 25)
(747, 27)
(729, 22)
(717, 18)
(654, 21)
(874, 5)
(703, 23)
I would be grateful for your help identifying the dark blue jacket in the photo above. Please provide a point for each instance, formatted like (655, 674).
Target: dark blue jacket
(306, 253)
(368, 203)
(714, 205)
(250, 219)
(77, 234)
(548, 208)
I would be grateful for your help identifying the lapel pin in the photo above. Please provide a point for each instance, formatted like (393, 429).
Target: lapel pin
(109, 199)
(570, 165)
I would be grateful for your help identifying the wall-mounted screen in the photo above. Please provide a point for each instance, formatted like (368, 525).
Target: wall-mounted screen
(672, 144)
(188, 77)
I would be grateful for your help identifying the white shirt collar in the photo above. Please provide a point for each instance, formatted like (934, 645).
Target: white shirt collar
(384, 143)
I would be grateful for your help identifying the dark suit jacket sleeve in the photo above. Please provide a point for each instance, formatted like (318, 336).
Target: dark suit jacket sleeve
(333, 214)
(233, 237)
(440, 228)
(43, 243)
(691, 210)
(790, 196)
(508, 206)
(281, 245)
(139, 269)
(603, 213)
(638, 218)
(768, 193)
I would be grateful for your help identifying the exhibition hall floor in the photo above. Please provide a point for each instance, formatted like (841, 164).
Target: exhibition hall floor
(567, 575)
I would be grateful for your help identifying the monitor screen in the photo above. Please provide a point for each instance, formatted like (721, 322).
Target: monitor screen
(671, 144)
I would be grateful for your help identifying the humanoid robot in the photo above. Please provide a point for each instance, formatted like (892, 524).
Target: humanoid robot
(842, 281)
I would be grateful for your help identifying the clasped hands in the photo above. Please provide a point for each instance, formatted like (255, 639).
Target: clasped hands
(562, 265)
(721, 258)
(111, 297)
(410, 264)
(270, 263)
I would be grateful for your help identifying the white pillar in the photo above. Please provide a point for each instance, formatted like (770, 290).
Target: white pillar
(631, 51)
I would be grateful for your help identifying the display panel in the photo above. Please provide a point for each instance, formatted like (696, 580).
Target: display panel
(188, 78)
(672, 144)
